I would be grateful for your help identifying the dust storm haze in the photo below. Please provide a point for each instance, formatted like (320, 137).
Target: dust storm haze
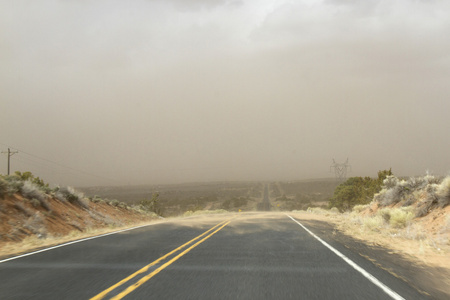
(169, 91)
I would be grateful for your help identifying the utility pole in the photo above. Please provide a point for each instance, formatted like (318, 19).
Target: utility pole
(10, 153)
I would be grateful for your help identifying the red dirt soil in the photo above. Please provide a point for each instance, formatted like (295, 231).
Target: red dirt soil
(20, 219)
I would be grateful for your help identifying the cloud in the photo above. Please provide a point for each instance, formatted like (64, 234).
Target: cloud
(306, 21)
(196, 5)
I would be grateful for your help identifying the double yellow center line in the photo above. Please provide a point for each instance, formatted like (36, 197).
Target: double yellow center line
(202, 237)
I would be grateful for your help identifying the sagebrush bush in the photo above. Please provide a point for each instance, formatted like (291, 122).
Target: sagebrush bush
(69, 194)
(373, 223)
(385, 214)
(14, 184)
(394, 191)
(97, 199)
(35, 224)
(396, 217)
(35, 195)
(443, 192)
(360, 208)
(60, 196)
(390, 182)
(431, 179)
(400, 217)
(35, 202)
(429, 190)
(334, 210)
(22, 208)
(423, 209)
(3, 187)
(30, 190)
(114, 202)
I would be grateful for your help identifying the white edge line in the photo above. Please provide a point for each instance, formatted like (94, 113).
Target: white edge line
(366, 274)
(76, 241)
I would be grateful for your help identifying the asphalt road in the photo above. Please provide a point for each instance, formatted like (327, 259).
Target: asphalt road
(242, 256)
(264, 205)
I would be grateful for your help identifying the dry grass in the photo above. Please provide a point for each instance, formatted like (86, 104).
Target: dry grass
(425, 239)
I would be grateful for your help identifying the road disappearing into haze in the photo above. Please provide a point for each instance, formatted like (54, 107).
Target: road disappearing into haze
(263, 255)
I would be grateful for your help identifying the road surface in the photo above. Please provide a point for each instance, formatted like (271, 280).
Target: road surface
(264, 205)
(233, 256)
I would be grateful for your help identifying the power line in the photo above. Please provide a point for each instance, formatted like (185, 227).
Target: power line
(60, 165)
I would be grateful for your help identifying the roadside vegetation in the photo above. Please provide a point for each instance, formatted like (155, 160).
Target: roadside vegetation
(407, 218)
(393, 210)
(301, 195)
(357, 191)
(175, 200)
(32, 210)
(386, 206)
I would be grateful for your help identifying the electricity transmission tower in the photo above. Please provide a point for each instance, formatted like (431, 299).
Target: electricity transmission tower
(10, 153)
(340, 170)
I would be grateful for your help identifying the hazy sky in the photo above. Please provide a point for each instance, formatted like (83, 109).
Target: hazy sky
(165, 91)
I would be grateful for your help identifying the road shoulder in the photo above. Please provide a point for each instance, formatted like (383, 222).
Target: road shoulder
(426, 279)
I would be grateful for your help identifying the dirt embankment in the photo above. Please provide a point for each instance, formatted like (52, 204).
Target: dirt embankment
(26, 224)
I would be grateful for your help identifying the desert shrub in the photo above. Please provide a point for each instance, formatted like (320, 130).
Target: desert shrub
(317, 210)
(427, 189)
(443, 192)
(28, 176)
(431, 179)
(114, 202)
(97, 199)
(60, 196)
(35, 224)
(30, 190)
(35, 202)
(334, 210)
(373, 223)
(392, 192)
(234, 203)
(411, 199)
(396, 217)
(426, 204)
(422, 210)
(33, 192)
(152, 205)
(385, 214)
(400, 217)
(359, 208)
(3, 187)
(69, 194)
(357, 191)
(14, 184)
(21, 208)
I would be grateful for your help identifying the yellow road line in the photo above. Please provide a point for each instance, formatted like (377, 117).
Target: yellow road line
(144, 269)
(146, 278)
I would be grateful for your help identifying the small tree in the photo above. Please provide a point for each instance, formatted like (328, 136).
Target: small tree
(357, 190)
(28, 176)
(152, 205)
